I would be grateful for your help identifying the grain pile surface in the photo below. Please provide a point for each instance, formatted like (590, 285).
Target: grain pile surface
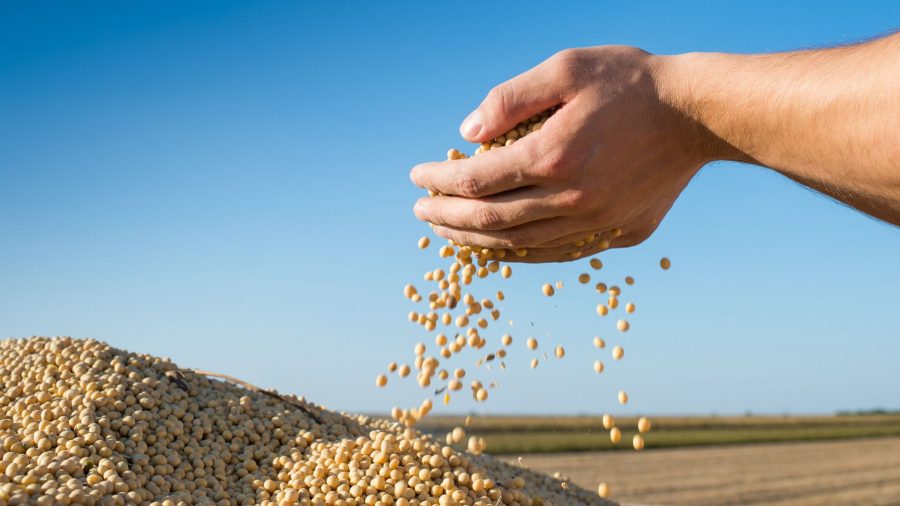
(82, 422)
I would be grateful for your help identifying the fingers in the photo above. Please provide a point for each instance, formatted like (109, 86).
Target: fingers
(554, 254)
(494, 171)
(516, 237)
(577, 239)
(567, 248)
(570, 252)
(512, 102)
(634, 232)
(506, 210)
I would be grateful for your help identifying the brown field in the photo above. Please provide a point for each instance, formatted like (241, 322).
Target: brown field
(844, 472)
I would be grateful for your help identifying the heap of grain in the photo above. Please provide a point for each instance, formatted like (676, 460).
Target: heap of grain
(84, 423)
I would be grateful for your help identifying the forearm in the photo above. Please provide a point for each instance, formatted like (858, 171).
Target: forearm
(827, 118)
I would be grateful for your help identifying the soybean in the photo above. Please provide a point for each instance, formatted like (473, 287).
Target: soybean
(615, 435)
(603, 490)
(638, 442)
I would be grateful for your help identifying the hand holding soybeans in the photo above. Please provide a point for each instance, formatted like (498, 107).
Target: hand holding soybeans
(612, 159)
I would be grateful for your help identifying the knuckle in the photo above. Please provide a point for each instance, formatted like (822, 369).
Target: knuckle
(575, 198)
(500, 99)
(553, 165)
(459, 236)
(519, 239)
(628, 51)
(566, 63)
(566, 56)
(467, 185)
(486, 217)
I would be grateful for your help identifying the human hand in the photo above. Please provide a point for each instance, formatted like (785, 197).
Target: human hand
(602, 171)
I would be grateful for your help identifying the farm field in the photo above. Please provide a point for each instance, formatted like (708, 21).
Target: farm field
(541, 434)
(709, 460)
(812, 473)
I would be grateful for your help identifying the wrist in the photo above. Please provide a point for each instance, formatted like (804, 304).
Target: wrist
(683, 82)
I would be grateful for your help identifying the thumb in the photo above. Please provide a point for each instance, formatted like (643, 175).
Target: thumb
(512, 102)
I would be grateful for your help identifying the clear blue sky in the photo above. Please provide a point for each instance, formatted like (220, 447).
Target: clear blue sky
(226, 183)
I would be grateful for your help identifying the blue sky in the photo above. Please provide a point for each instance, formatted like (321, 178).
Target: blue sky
(225, 183)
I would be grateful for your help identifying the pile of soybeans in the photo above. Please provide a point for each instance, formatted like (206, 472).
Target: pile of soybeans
(82, 422)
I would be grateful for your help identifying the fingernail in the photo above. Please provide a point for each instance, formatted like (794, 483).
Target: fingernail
(471, 126)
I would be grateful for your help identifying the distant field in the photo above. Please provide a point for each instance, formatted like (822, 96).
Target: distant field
(850, 472)
(539, 434)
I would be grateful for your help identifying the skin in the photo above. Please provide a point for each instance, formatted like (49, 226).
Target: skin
(632, 129)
